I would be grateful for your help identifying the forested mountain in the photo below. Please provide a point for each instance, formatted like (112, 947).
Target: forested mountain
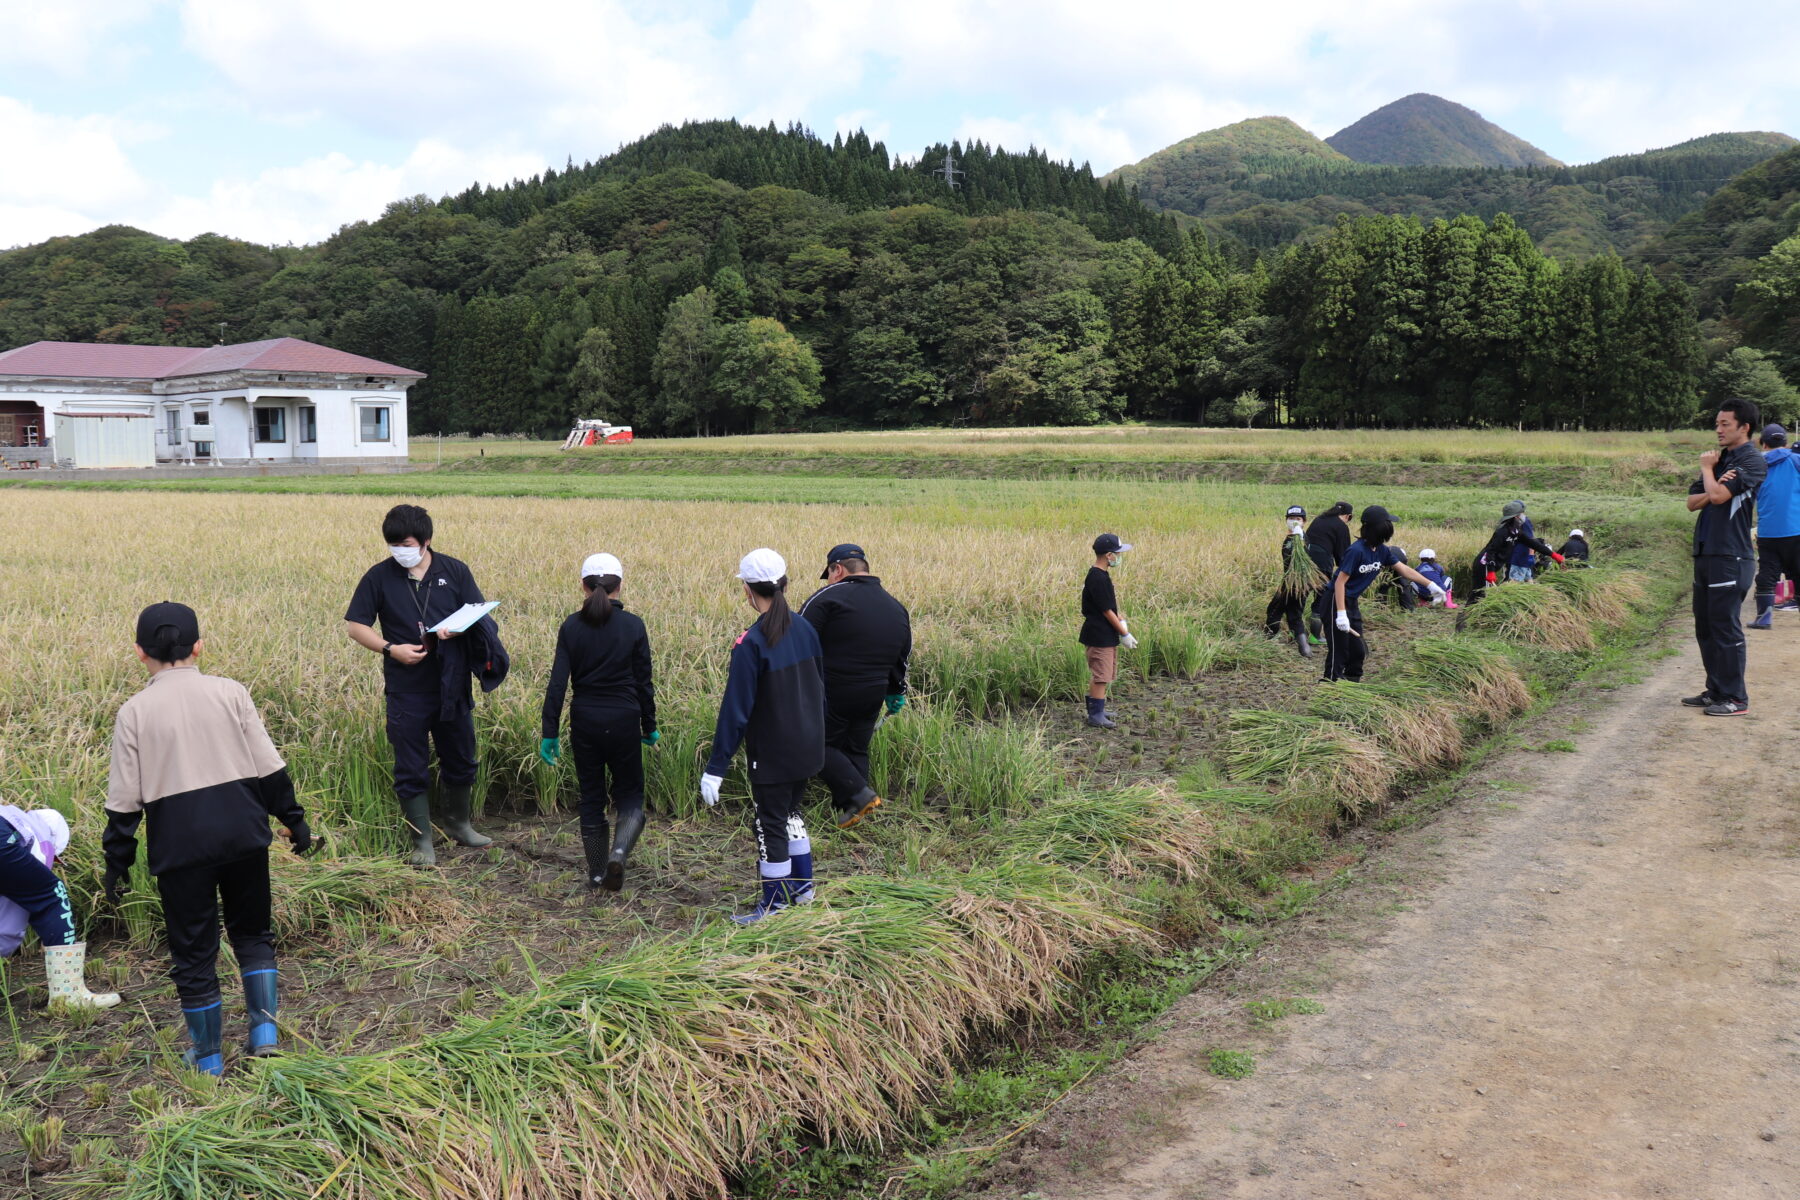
(1422, 130)
(1740, 254)
(1286, 190)
(649, 291)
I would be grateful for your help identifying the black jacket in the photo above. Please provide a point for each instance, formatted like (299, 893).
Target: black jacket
(609, 664)
(1576, 548)
(866, 637)
(774, 705)
(1327, 541)
(476, 652)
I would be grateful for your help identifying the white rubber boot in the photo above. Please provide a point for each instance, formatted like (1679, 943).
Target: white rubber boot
(68, 987)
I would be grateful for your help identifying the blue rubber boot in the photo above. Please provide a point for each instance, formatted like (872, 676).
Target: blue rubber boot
(206, 1029)
(774, 899)
(1765, 605)
(260, 994)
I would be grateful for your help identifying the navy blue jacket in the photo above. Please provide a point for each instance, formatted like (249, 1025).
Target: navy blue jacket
(774, 706)
(477, 653)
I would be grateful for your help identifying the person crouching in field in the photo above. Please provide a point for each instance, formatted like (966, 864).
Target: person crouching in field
(31, 894)
(774, 706)
(1103, 630)
(1366, 558)
(1301, 572)
(605, 652)
(1434, 572)
(1575, 549)
(1494, 564)
(191, 754)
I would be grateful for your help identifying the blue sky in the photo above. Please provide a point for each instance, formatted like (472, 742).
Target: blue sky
(280, 120)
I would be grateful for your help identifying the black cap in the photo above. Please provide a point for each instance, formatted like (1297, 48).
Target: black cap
(838, 554)
(1296, 510)
(1773, 434)
(168, 631)
(1375, 513)
(1109, 543)
(1341, 509)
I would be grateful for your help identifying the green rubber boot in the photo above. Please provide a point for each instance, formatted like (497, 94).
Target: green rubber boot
(418, 824)
(458, 799)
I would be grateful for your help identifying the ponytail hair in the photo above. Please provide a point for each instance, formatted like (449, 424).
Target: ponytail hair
(780, 618)
(597, 609)
(165, 645)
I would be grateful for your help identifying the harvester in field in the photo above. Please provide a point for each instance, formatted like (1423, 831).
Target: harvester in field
(595, 433)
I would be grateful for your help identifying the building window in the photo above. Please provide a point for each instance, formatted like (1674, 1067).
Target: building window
(271, 424)
(174, 425)
(309, 425)
(374, 423)
(202, 433)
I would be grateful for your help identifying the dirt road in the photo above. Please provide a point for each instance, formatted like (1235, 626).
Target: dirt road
(1590, 990)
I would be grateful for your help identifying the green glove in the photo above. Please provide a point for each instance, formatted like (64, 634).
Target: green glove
(895, 703)
(548, 750)
(652, 738)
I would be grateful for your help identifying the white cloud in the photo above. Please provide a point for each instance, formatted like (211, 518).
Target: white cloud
(307, 201)
(64, 37)
(62, 173)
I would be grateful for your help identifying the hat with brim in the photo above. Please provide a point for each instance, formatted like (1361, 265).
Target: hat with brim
(838, 554)
(1109, 543)
(762, 566)
(599, 565)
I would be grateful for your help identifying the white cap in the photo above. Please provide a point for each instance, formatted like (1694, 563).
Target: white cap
(1427, 553)
(601, 564)
(761, 566)
(1576, 533)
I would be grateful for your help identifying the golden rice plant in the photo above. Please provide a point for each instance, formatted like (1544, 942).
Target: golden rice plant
(1304, 754)
(1471, 674)
(1529, 614)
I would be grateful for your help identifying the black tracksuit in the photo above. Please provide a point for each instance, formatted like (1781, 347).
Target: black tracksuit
(614, 706)
(1724, 565)
(1496, 556)
(866, 637)
(1287, 602)
(418, 717)
(774, 706)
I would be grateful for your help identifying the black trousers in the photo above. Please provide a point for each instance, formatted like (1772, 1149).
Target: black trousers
(192, 898)
(1776, 557)
(1283, 603)
(1344, 651)
(609, 762)
(847, 738)
(414, 729)
(35, 888)
(1720, 585)
(778, 818)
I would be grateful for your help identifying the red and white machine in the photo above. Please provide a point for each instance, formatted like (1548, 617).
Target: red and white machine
(595, 433)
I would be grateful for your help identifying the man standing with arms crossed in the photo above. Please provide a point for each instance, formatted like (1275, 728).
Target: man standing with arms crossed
(866, 636)
(1724, 497)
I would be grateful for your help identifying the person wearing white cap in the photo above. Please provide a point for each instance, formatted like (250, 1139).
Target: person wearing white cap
(774, 706)
(31, 894)
(1575, 550)
(1434, 572)
(605, 652)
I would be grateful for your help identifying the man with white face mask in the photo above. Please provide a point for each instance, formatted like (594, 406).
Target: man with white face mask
(410, 592)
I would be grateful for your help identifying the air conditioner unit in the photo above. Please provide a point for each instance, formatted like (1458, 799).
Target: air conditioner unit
(197, 433)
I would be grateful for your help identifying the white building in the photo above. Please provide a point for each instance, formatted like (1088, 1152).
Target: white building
(276, 401)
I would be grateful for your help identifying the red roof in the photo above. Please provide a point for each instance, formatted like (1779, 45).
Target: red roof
(89, 360)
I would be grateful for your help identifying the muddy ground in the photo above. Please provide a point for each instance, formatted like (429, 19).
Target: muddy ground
(1577, 980)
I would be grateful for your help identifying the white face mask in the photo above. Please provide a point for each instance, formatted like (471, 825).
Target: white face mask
(407, 556)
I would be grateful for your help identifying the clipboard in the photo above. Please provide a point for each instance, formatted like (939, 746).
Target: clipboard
(464, 617)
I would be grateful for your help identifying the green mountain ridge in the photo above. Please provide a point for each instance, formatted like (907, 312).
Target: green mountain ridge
(1426, 130)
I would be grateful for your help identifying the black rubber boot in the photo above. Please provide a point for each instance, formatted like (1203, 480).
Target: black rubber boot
(1301, 644)
(459, 799)
(594, 842)
(418, 824)
(624, 838)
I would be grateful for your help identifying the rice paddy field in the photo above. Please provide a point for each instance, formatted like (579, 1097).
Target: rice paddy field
(491, 1028)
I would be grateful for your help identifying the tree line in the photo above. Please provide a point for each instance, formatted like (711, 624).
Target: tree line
(682, 302)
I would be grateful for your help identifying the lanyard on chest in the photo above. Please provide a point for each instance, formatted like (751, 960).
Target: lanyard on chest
(418, 598)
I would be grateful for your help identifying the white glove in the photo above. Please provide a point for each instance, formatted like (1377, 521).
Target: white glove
(1127, 641)
(709, 788)
(1437, 594)
(1343, 620)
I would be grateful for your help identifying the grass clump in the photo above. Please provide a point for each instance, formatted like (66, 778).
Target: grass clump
(1529, 614)
(1475, 675)
(1308, 757)
(1402, 715)
(1230, 1064)
(657, 1073)
(1126, 833)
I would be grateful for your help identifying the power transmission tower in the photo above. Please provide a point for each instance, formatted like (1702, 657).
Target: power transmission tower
(949, 171)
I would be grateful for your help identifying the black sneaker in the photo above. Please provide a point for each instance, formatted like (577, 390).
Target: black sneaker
(1703, 700)
(1727, 708)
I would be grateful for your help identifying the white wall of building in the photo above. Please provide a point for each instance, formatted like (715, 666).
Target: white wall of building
(274, 425)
